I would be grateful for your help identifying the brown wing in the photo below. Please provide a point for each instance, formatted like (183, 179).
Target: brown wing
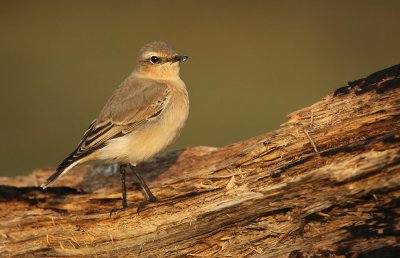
(125, 111)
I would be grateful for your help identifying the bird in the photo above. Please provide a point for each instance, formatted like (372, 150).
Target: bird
(142, 117)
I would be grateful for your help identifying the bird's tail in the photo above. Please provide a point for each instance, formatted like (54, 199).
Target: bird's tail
(63, 168)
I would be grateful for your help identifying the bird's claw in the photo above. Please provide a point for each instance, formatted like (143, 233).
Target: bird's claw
(116, 210)
(143, 205)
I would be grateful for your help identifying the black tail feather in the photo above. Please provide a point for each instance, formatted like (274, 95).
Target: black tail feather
(81, 151)
(76, 155)
(60, 169)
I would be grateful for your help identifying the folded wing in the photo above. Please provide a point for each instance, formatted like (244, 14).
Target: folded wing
(123, 113)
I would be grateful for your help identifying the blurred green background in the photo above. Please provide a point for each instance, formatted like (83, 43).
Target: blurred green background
(251, 63)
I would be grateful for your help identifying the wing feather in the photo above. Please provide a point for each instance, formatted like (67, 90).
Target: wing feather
(122, 114)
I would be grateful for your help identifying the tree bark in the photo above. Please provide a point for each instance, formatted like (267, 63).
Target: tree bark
(325, 184)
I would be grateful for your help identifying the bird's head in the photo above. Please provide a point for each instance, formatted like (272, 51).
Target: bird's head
(158, 60)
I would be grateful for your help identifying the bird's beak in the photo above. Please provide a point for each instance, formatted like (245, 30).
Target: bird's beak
(178, 59)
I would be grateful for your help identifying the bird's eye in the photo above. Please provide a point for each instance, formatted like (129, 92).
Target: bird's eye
(154, 59)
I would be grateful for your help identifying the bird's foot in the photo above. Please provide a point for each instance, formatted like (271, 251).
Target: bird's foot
(143, 205)
(116, 210)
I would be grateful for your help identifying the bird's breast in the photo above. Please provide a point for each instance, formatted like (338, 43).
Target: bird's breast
(156, 136)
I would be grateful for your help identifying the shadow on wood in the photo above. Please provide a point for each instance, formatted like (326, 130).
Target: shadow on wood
(326, 183)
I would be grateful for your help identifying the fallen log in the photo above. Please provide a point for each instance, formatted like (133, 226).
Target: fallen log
(326, 183)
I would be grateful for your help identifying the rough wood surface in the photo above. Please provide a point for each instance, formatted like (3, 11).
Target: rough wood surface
(326, 184)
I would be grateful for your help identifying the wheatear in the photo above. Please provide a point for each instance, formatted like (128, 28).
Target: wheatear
(144, 114)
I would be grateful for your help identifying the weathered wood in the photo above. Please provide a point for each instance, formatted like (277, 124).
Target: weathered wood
(326, 183)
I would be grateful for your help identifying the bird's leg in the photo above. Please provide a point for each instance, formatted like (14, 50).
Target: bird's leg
(122, 172)
(150, 197)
